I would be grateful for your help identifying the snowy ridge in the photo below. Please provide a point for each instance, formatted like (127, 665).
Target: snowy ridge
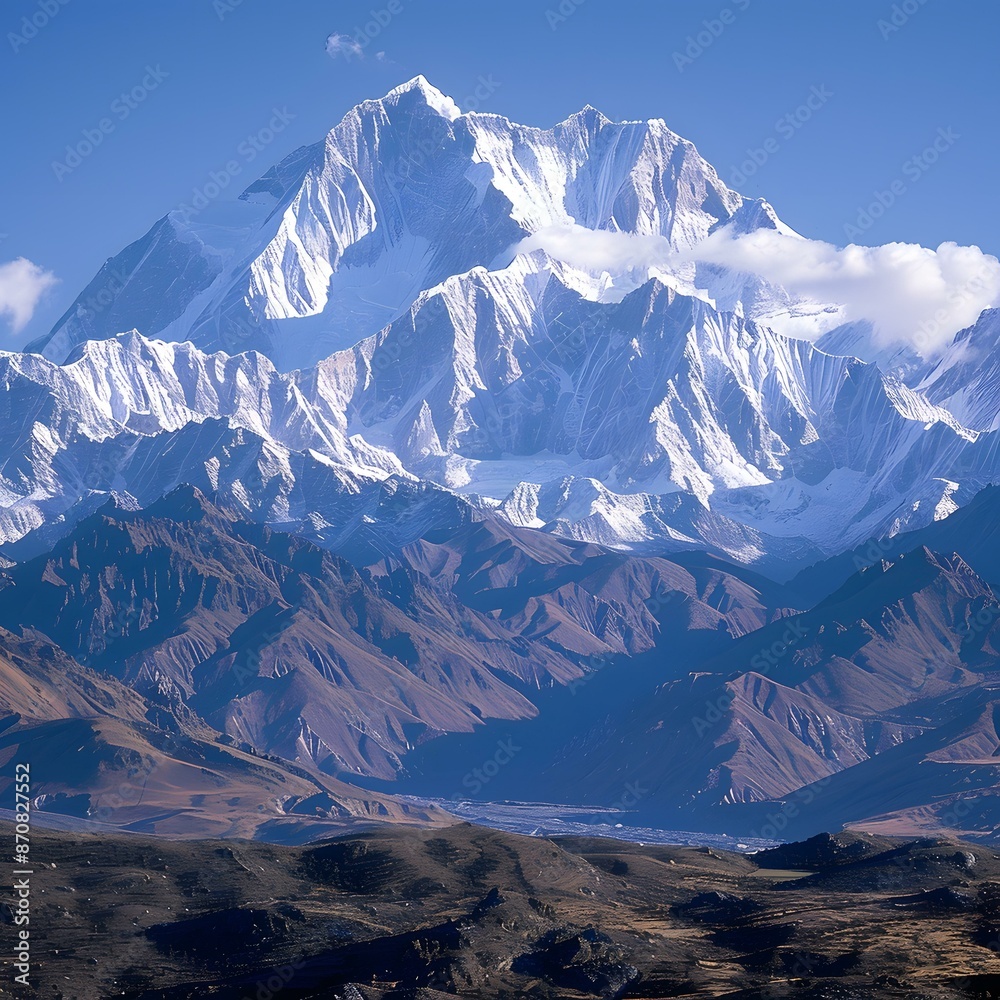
(380, 311)
(653, 421)
(403, 193)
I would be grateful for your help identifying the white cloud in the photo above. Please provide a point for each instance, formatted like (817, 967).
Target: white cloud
(598, 250)
(22, 285)
(909, 294)
(339, 44)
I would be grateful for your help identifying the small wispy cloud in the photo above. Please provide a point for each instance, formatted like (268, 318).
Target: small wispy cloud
(339, 44)
(22, 285)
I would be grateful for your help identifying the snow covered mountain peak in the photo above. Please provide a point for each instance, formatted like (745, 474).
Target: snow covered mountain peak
(404, 192)
(433, 97)
(587, 117)
(510, 313)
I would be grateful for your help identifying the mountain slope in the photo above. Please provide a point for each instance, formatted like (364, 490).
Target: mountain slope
(439, 429)
(295, 651)
(904, 654)
(149, 763)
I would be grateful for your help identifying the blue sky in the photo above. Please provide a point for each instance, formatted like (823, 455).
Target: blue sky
(885, 81)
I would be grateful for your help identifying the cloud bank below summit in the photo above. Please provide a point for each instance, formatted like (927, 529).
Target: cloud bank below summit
(911, 295)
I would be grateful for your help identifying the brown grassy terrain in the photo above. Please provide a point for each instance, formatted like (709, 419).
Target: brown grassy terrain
(465, 911)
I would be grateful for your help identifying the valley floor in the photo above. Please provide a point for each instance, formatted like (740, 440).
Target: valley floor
(406, 914)
(544, 819)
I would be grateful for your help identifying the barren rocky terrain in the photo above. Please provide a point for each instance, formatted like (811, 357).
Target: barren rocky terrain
(462, 911)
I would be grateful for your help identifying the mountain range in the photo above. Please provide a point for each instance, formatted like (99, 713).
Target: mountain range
(444, 431)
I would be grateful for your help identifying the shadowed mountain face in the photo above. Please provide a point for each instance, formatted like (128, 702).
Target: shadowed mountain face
(880, 700)
(197, 622)
(409, 915)
(972, 530)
